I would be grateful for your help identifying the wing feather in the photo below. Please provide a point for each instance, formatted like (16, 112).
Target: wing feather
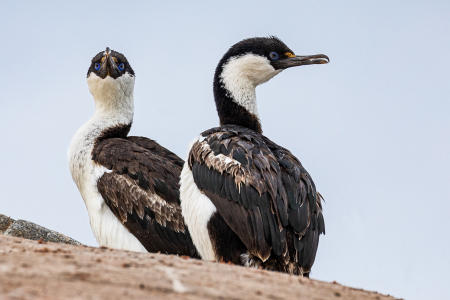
(262, 192)
(142, 190)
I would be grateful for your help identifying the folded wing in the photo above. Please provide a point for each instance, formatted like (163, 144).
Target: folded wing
(142, 191)
(261, 190)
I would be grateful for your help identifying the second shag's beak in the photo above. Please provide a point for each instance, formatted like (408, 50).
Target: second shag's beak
(109, 66)
(300, 60)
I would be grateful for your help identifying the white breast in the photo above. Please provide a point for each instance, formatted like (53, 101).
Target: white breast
(108, 230)
(197, 209)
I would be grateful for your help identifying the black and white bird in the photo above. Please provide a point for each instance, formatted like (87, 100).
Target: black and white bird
(130, 185)
(245, 199)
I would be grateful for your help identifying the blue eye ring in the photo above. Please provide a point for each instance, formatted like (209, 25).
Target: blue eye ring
(97, 66)
(274, 55)
(121, 66)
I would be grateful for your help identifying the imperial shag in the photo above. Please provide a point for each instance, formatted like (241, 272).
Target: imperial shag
(129, 184)
(245, 199)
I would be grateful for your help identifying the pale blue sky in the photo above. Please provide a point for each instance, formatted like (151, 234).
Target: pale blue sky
(372, 127)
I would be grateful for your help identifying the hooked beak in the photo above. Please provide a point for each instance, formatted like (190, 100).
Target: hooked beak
(300, 60)
(109, 66)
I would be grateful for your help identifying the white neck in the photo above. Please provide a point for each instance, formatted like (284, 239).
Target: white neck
(243, 92)
(241, 75)
(113, 98)
(118, 111)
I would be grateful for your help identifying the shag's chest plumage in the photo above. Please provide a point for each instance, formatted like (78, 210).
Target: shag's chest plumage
(107, 230)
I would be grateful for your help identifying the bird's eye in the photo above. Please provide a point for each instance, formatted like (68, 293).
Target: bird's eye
(97, 66)
(121, 66)
(274, 55)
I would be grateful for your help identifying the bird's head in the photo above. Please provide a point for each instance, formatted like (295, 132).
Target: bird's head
(246, 65)
(257, 60)
(110, 75)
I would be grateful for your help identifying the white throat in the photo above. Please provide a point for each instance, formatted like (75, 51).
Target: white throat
(113, 97)
(241, 75)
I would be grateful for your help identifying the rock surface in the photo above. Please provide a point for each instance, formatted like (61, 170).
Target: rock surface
(32, 231)
(5, 222)
(41, 270)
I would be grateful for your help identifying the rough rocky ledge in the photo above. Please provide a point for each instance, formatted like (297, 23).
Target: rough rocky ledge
(42, 270)
(32, 231)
